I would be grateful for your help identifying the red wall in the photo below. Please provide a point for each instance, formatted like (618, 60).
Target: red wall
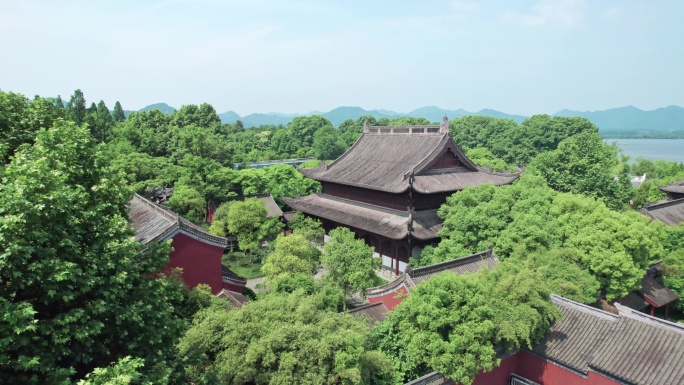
(597, 379)
(201, 262)
(391, 300)
(499, 375)
(545, 372)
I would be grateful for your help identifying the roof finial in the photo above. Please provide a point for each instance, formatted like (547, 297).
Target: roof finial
(365, 126)
(444, 127)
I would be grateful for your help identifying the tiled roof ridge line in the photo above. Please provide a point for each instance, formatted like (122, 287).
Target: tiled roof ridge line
(334, 162)
(663, 204)
(203, 234)
(645, 318)
(558, 300)
(389, 287)
(489, 171)
(172, 216)
(364, 307)
(452, 262)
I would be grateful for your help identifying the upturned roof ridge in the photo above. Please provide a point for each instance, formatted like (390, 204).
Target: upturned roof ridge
(562, 301)
(388, 287)
(450, 263)
(658, 205)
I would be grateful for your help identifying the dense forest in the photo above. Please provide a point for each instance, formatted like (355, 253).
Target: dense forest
(80, 303)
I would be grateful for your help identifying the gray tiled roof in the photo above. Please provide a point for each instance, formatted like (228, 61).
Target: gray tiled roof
(156, 223)
(379, 220)
(573, 340)
(632, 347)
(668, 212)
(642, 350)
(434, 378)
(470, 264)
(676, 187)
(375, 312)
(383, 161)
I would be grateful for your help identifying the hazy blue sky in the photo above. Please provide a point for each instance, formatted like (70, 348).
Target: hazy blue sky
(520, 57)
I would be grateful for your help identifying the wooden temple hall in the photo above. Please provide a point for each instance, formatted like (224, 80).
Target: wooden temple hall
(388, 186)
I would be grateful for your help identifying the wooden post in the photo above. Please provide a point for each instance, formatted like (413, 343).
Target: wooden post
(667, 310)
(652, 310)
(396, 254)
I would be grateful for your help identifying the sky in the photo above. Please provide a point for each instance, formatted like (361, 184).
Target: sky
(298, 56)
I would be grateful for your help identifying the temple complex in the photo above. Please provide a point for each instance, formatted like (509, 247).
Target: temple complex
(196, 252)
(388, 186)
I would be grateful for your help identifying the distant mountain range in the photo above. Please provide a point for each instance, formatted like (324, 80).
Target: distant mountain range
(615, 119)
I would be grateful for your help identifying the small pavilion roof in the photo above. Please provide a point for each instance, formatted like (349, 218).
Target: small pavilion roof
(387, 222)
(676, 187)
(384, 158)
(656, 293)
(156, 223)
(668, 212)
(235, 299)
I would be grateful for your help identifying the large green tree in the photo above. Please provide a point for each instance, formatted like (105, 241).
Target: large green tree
(454, 324)
(583, 164)
(528, 216)
(76, 108)
(349, 262)
(76, 292)
(291, 255)
(280, 340)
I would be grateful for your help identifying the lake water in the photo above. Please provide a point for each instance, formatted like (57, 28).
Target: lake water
(667, 149)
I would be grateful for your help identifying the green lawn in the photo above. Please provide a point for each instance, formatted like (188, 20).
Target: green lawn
(242, 269)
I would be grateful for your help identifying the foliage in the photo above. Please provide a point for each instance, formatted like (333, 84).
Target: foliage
(582, 164)
(281, 339)
(247, 266)
(21, 119)
(517, 143)
(123, 372)
(327, 143)
(310, 228)
(452, 323)
(290, 284)
(291, 255)
(673, 274)
(349, 262)
(188, 202)
(246, 220)
(615, 247)
(658, 169)
(484, 158)
(77, 294)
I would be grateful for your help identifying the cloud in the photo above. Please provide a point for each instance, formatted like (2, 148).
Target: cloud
(563, 13)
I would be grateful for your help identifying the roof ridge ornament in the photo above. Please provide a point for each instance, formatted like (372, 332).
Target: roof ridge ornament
(365, 126)
(444, 127)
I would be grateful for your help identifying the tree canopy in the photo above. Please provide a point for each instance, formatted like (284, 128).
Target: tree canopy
(282, 339)
(77, 293)
(349, 262)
